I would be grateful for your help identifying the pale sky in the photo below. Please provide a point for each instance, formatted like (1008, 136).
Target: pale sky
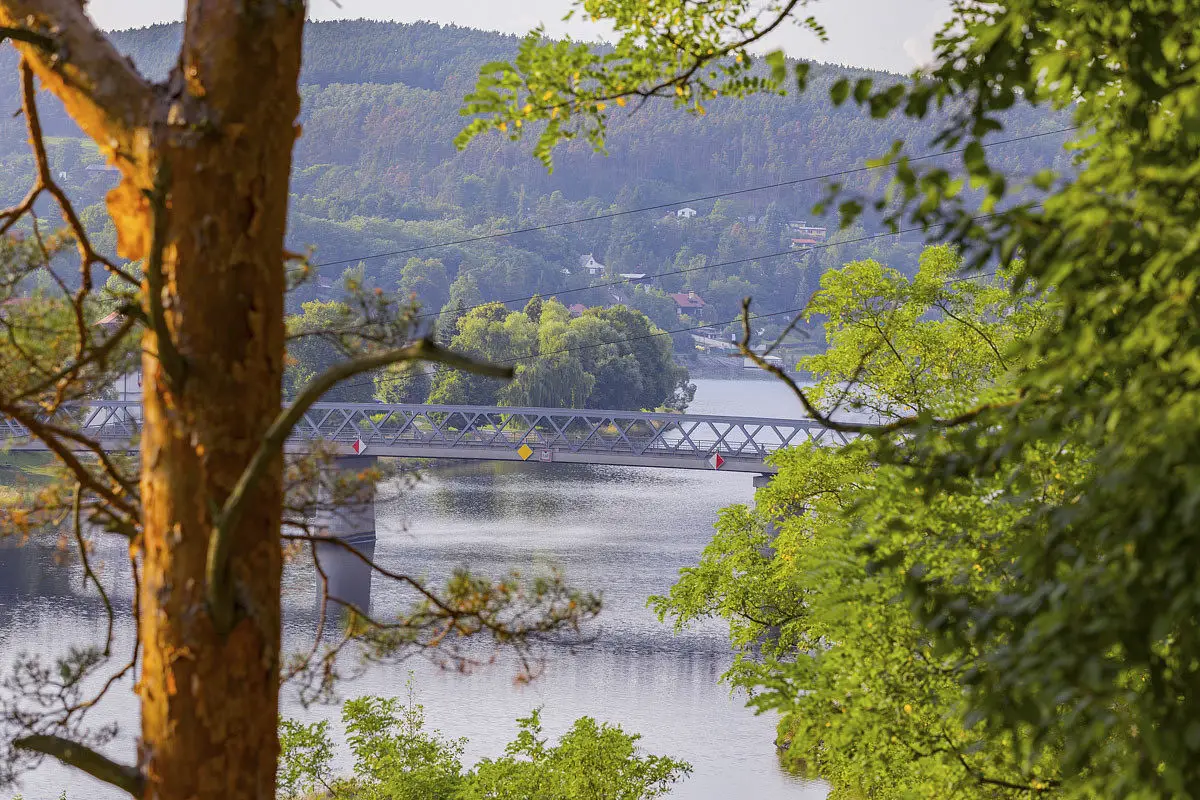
(884, 34)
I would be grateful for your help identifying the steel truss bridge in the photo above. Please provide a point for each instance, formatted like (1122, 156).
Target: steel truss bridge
(570, 436)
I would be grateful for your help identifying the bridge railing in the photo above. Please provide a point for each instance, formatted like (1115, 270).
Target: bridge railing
(118, 424)
(575, 430)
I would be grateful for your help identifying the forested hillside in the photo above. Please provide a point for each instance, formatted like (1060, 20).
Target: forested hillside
(376, 172)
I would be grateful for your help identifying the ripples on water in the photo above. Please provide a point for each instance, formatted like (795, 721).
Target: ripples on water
(624, 532)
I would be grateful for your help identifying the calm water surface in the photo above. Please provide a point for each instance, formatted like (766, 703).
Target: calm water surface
(624, 532)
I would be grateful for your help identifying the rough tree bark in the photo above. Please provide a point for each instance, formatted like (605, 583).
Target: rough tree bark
(205, 160)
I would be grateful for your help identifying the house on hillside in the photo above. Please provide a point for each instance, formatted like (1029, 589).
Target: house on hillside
(591, 265)
(688, 303)
(577, 309)
(686, 213)
(803, 244)
(802, 230)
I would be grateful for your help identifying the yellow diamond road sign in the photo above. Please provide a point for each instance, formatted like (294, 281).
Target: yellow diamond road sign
(524, 451)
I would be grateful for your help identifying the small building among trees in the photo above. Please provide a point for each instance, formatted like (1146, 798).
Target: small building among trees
(591, 265)
(689, 303)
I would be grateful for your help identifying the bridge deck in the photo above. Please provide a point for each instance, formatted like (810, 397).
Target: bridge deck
(578, 436)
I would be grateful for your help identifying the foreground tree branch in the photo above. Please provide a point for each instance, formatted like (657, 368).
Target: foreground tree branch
(45, 182)
(27, 36)
(219, 594)
(85, 759)
(860, 428)
(100, 88)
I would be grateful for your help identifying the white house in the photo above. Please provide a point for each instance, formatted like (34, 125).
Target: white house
(686, 213)
(803, 230)
(593, 267)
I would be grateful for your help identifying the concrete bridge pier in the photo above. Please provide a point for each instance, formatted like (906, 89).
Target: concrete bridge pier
(353, 524)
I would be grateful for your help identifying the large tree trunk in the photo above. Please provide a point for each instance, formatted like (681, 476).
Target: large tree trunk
(218, 138)
(209, 697)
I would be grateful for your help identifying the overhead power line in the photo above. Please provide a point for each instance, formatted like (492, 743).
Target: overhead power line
(685, 201)
(686, 270)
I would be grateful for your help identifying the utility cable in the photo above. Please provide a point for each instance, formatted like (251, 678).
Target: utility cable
(686, 270)
(697, 199)
(356, 384)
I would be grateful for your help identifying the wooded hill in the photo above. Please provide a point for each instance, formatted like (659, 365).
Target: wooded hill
(376, 171)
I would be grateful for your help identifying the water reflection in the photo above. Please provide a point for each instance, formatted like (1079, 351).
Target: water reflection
(623, 532)
(349, 575)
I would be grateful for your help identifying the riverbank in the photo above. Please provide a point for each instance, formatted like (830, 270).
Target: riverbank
(732, 368)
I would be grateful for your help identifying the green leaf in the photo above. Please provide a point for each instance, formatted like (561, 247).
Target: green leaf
(492, 67)
(802, 70)
(778, 64)
(839, 91)
(975, 159)
(849, 211)
(862, 90)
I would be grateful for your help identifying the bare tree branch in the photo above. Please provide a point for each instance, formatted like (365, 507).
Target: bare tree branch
(88, 573)
(856, 427)
(666, 87)
(68, 374)
(219, 590)
(50, 436)
(968, 324)
(83, 758)
(28, 37)
(45, 182)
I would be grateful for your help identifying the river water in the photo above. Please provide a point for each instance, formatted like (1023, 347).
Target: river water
(624, 532)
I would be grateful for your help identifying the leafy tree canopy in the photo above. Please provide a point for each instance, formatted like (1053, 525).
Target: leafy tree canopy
(1089, 650)
(810, 585)
(397, 757)
(605, 358)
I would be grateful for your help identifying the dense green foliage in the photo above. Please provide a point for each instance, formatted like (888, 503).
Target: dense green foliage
(1073, 627)
(605, 358)
(614, 358)
(810, 583)
(376, 171)
(397, 758)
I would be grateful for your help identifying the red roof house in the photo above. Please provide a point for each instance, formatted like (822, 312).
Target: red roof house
(689, 300)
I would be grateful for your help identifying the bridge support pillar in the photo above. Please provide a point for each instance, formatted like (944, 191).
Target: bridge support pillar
(352, 524)
(348, 520)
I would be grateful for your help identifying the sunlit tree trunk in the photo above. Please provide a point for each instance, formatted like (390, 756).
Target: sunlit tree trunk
(209, 696)
(207, 156)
